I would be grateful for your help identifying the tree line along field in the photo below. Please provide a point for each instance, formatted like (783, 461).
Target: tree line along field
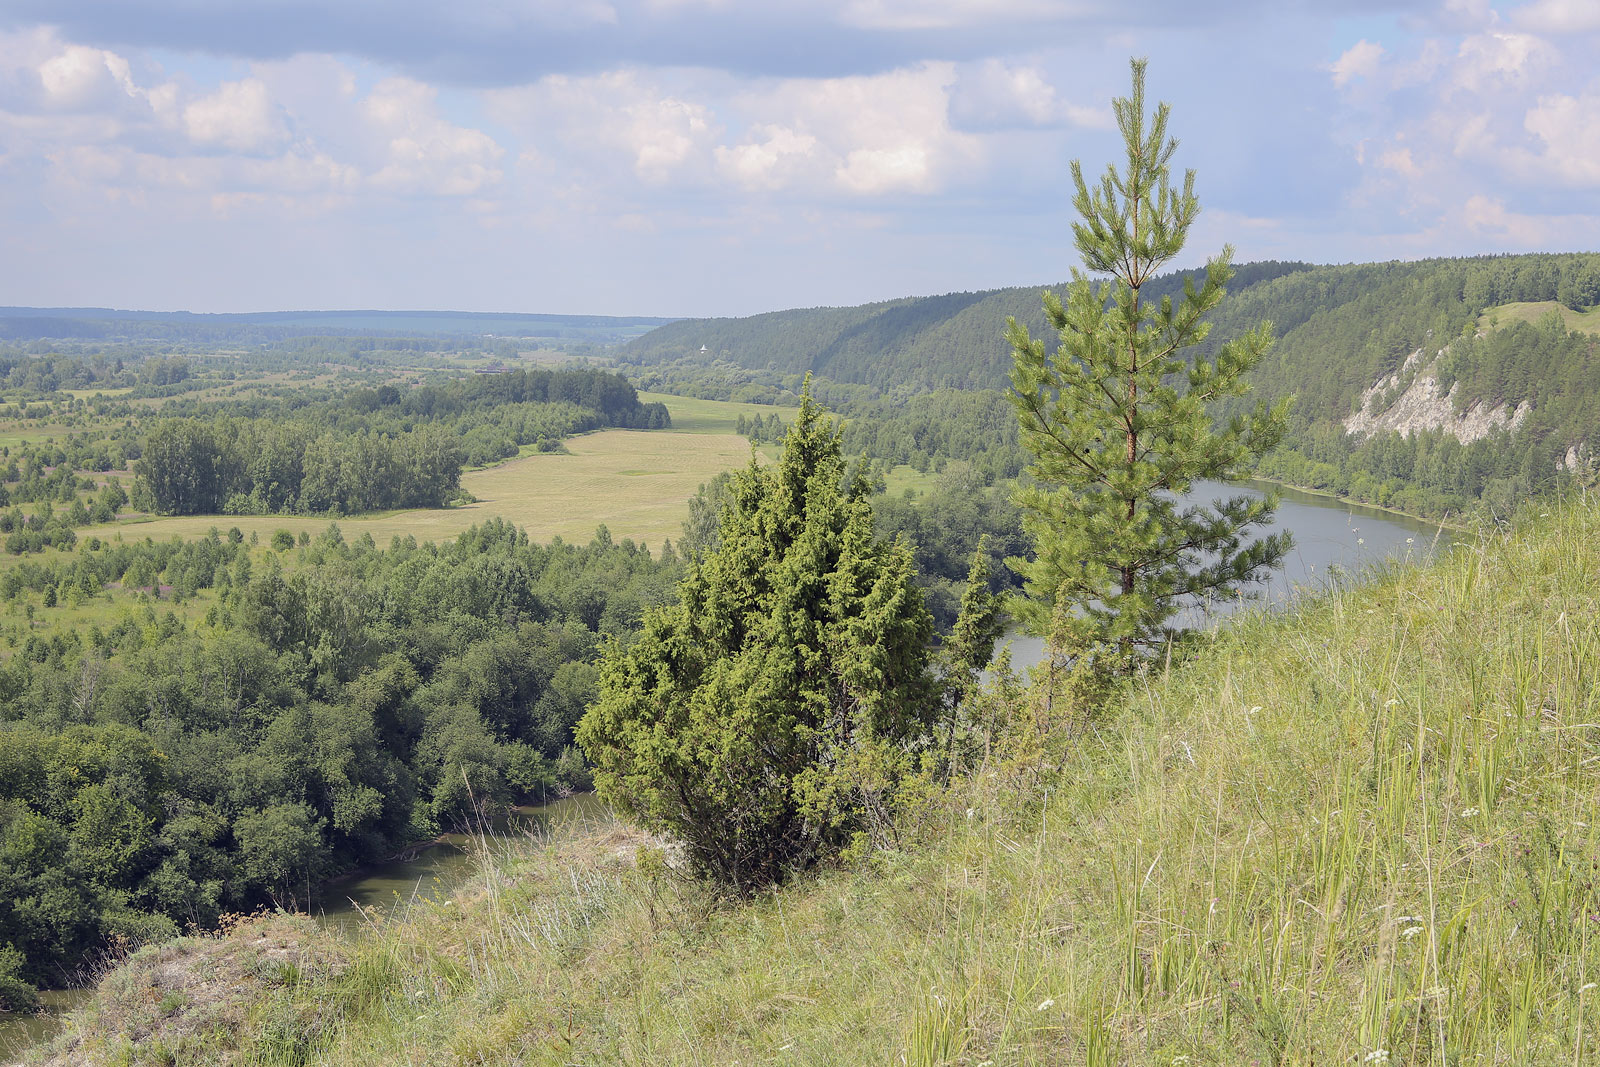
(633, 481)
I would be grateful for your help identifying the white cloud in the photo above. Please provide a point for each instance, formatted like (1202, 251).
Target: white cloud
(1360, 60)
(999, 95)
(875, 134)
(1570, 129)
(81, 77)
(767, 163)
(423, 152)
(1488, 60)
(1559, 16)
(239, 115)
(662, 135)
(951, 14)
(1489, 216)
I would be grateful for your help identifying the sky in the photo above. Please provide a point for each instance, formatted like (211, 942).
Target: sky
(725, 157)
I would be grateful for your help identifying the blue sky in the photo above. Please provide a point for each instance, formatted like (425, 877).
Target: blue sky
(690, 157)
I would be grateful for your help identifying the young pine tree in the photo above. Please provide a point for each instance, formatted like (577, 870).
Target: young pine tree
(763, 719)
(1119, 419)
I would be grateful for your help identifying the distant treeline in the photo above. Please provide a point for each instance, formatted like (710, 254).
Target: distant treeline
(21, 323)
(331, 708)
(915, 344)
(372, 449)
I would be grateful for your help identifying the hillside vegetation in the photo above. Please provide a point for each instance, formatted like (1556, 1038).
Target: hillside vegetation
(1351, 338)
(1358, 831)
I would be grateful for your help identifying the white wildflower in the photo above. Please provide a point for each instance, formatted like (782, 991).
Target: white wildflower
(1377, 1055)
(1467, 813)
(1408, 934)
(1046, 1004)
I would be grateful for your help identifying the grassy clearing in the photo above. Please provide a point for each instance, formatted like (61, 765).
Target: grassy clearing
(1587, 321)
(690, 415)
(637, 482)
(1362, 832)
(898, 479)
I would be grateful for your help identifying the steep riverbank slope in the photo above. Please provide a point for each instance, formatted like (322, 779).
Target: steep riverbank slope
(1363, 831)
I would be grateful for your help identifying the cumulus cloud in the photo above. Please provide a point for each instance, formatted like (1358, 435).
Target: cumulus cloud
(1559, 16)
(240, 116)
(657, 133)
(999, 95)
(1360, 60)
(1490, 60)
(1475, 132)
(769, 159)
(423, 152)
(1570, 133)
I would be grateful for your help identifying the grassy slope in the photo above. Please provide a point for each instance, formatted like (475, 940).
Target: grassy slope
(1586, 321)
(1368, 826)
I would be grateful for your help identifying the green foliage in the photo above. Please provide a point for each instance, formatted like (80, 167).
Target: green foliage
(763, 718)
(336, 704)
(16, 994)
(1115, 438)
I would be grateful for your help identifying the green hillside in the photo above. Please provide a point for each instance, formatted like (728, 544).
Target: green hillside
(1469, 334)
(1358, 832)
(933, 342)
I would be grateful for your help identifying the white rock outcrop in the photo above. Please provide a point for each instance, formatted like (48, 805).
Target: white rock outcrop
(1425, 406)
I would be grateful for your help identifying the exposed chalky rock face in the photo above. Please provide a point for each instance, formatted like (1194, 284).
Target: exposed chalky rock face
(1424, 405)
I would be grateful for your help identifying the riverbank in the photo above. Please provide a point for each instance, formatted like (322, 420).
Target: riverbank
(1267, 483)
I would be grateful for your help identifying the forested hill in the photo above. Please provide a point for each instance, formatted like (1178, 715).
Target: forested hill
(1428, 385)
(1340, 328)
(931, 342)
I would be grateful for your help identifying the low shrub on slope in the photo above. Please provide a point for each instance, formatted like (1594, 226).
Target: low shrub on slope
(1361, 831)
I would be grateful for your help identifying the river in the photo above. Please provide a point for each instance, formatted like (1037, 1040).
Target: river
(1330, 537)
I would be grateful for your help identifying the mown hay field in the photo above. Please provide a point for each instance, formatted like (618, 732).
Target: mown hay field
(637, 482)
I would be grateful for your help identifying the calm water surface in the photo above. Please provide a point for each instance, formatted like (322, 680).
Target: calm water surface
(1330, 537)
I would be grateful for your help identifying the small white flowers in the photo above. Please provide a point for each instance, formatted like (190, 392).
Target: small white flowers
(1467, 813)
(1377, 1055)
(1411, 540)
(1411, 931)
(1361, 540)
(1046, 1004)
